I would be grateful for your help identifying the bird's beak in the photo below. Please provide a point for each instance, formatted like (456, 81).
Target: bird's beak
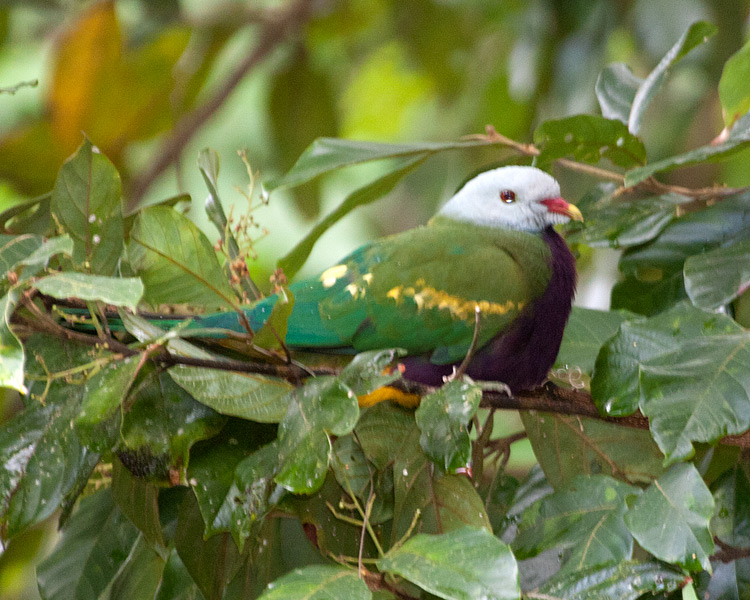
(561, 206)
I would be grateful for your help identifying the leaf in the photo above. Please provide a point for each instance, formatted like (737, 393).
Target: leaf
(211, 474)
(627, 580)
(12, 358)
(93, 547)
(323, 406)
(733, 93)
(616, 88)
(273, 332)
(110, 290)
(588, 138)
(697, 34)
(176, 261)
(671, 518)
(98, 421)
(38, 259)
(16, 248)
(567, 446)
(442, 417)
(328, 154)
(140, 575)
(370, 370)
(585, 333)
(318, 582)
(381, 430)
(445, 502)
(86, 203)
(699, 392)
(737, 139)
(138, 500)
(461, 565)
(719, 276)
(245, 395)
(653, 272)
(617, 223)
(163, 422)
(199, 555)
(296, 257)
(615, 386)
(586, 518)
(731, 525)
(176, 583)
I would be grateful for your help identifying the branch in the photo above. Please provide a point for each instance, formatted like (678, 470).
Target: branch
(701, 196)
(728, 553)
(275, 31)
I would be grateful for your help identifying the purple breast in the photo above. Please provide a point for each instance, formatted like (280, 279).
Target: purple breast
(522, 355)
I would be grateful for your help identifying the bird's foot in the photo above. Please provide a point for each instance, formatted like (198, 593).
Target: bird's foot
(494, 386)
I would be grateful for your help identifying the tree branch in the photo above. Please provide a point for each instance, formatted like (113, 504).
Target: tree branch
(275, 30)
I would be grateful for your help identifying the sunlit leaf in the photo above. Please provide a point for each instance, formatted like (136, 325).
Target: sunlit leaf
(588, 138)
(463, 564)
(717, 277)
(12, 358)
(126, 291)
(319, 582)
(176, 261)
(670, 519)
(697, 34)
(733, 93)
(86, 203)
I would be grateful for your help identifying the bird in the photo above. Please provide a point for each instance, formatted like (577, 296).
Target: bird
(487, 274)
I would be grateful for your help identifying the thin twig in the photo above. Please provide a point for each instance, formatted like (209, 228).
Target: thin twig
(728, 553)
(459, 373)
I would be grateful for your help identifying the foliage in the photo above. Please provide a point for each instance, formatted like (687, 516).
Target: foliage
(179, 466)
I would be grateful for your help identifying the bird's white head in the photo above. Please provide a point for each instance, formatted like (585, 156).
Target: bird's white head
(522, 198)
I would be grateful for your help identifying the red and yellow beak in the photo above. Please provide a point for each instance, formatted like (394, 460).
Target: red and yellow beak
(561, 206)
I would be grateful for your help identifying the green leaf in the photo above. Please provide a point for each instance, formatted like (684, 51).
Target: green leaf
(615, 88)
(97, 423)
(296, 257)
(699, 392)
(697, 34)
(615, 386)
(461, 565)
(719, 276)
(369, 371)
(328, 154)
(273, 332)
(627, 580)
(731, 524)
(12, 359)
(318, 582)
(38, 259)
(138, 500)
(110, 290)
(14, 249)
(140, 575)
(162, 424)
(653, 272)
(86, 203)
(445, 502)
(442, 417)
(381, 430)
(93, 547)
(737, 139)
(567, 446)
(585, 518)
(176, 261)
(617, 223)
(585, 333)
(323, 406)
(671, 518)
(176, 583)
(199, 555)
(245, 395)
(733, 92)
(588, 138)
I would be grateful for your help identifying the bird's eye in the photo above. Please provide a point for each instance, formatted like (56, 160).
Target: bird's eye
(508, 196)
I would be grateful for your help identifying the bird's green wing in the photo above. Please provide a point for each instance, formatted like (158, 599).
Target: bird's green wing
(418, 290)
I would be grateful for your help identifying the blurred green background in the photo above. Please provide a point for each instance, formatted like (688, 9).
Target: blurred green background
(133, 75)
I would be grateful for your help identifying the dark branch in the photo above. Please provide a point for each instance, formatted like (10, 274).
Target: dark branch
(728, 553)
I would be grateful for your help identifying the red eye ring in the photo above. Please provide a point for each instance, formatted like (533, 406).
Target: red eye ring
(508, 196)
